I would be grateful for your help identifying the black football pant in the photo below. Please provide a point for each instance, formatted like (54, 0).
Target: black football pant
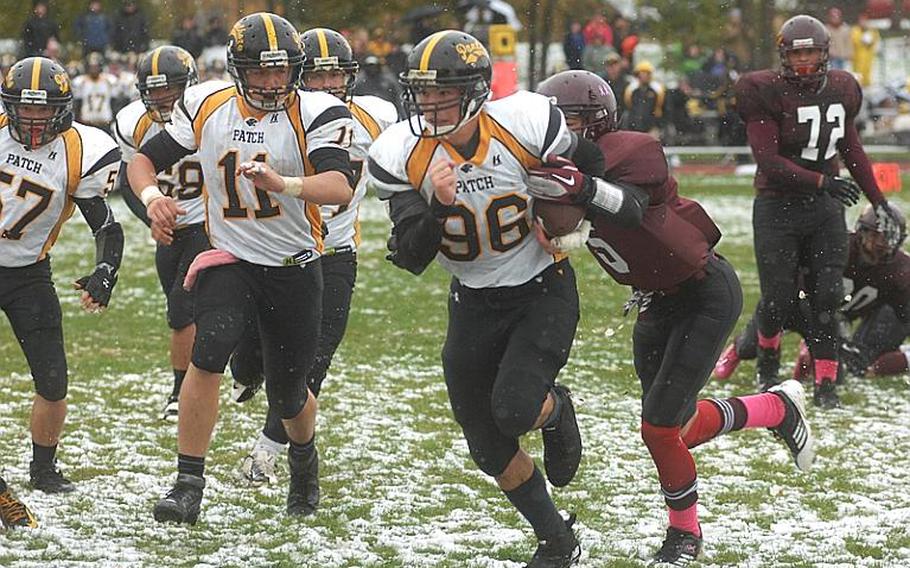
(172, 262)
(339, 273)
(28, 299)
(678, 338)
(879, 332)
(503, 350)
(797, 320)
(285, 302)
(790, 230)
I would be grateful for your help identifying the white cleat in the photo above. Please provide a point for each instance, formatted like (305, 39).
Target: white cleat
(258, 468)
(795, 430)
(170, 409)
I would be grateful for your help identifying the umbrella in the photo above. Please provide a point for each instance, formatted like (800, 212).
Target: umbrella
(421, 12)
(500, 7)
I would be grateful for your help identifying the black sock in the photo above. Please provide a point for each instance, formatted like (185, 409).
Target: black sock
(3, 486)
(534, 503)
(297, 452)
(43, 454)
(190, 464)
(178, 382)
(557, 410)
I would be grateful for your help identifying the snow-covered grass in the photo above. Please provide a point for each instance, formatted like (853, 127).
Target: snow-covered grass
(399, 489)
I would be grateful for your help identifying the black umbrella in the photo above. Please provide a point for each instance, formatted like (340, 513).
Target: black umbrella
(421, 12)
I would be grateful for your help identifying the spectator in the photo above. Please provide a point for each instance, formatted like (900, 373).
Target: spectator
(38, 29)
(188, 37)
(621, 30)
(94, 29)
(615, 75)
(573, 46)
(215, 34)
(738, 39)
(131, 29)
(692, 60)
(379, 45)
(598, 30)
(841, 49)
(865, 44)
(644, 100)
(595, 54)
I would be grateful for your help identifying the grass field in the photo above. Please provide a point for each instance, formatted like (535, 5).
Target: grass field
(399, 489)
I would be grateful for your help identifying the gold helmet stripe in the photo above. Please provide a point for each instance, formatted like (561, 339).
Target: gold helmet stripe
(323, 43)
(270, 31)
(155, 55)
(428, 50)
(36, 73)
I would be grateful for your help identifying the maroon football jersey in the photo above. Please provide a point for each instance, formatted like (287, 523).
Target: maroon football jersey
(675, 237)
(868, 287)
(812, 123)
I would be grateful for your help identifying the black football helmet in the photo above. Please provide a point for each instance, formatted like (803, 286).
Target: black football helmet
(803, 32)
(162, 68)
(584, 95)
(328, 50)
(873, 246)
(264, 41)
(446, 59)
(37, 82)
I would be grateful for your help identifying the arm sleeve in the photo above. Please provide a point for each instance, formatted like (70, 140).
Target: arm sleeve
(164, 151)
(587, 156)
(107, 231)
(416, 230)
(851, 150)
(131, 199)
(763, 138)
(620, 204)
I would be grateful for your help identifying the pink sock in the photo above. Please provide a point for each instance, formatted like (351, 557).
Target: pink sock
(772, 342)
(765, 410)
(686, 520)
(825, 370)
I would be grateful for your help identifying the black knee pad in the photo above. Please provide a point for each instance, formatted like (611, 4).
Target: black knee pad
(217, 334)
(514, 412)
(492, 457)
(51, 384)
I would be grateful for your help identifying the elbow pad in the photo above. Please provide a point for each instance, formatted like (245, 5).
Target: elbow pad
(623, 204)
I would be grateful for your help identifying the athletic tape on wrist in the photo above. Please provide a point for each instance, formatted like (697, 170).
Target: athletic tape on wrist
(149, 194)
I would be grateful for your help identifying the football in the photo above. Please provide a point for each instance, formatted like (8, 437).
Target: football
(558, 219)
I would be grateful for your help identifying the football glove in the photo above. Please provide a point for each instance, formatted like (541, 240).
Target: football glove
(99, 284)
(888, 224)
(559, 180)
(844, 190)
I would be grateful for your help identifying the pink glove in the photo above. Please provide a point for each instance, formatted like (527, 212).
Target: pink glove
(204, 260)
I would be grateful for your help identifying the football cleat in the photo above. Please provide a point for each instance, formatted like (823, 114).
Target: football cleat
(48, 478)
(303, 493)
(242, 393)
(727, 363)
(181, 504)
(794, 430)
(559, 552)
(258, 468)
(680, 548)
(767, 368)
(825, 395)
(14, 513)
(562, 442)
(170, 408)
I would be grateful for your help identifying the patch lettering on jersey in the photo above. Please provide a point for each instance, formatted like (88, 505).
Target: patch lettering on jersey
(28, 164)
(248, 137)
(474, 185)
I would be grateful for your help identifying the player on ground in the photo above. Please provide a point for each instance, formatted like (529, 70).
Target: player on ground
(164, 73)
(662, 245)
(455, 176)
(49, 165)
(798, 120)
(330, 66)
(269, 156)
(877, 293)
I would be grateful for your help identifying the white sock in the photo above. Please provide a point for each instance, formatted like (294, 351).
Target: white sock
(266, 444)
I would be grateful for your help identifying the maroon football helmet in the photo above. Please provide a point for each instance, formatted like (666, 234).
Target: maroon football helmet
(584, 95)
(873, 247)
(803, 32)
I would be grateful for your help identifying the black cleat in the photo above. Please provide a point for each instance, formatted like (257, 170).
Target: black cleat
(825, 395)
(767, 368)
(46, 477)
(559, 552)
(680, 548)
(795, 430)
(14, 513)
(303, 493)
(562, 442)
(181, 504)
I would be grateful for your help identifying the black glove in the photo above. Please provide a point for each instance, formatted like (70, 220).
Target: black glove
(844, 190)
(889, 224)
(855, 357)
(99, 284)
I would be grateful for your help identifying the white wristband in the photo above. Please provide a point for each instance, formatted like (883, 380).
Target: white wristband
(293, 186)
(149, 194)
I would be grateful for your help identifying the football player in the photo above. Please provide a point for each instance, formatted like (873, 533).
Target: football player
(330, 66)
(94, 92)
(876, 293)
(455, 176)
(163, 74)
(645, 235)
(270, 156)
(49, 165)
(798, 120)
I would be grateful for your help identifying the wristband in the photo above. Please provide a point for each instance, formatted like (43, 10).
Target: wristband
(293, 186)
(149, 194)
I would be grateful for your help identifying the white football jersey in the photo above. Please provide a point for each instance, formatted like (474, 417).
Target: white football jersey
(182, 181)
(95, 96)
(372, 115)
(264, 228)
(489, 242)
(37, 187)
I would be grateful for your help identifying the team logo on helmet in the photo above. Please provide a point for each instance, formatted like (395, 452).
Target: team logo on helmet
(471, 53)
(237, 32)
(9, 81)
(186, 59)
(62, 82)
